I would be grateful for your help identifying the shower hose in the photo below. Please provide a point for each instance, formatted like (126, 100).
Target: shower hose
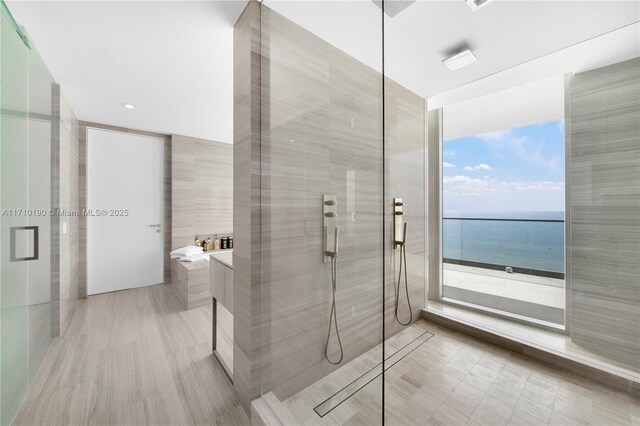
(333, 316)
(403, 259)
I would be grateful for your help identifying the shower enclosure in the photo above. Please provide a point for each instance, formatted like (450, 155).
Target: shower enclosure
(340, 171)
(339, 162)
(28, 312)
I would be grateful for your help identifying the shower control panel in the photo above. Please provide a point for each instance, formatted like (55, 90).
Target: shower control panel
(398, 219)
(330, 226)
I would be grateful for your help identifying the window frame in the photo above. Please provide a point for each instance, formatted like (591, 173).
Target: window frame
(434, 290)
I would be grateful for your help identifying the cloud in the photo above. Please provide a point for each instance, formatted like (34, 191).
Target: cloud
(465, 186)
(481, 166)
(531, 151)
(448, 165)
(522, 147)
(464, 193)
(449, 153)
(462, 186)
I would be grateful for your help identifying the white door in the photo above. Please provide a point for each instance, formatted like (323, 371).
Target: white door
(125, 202)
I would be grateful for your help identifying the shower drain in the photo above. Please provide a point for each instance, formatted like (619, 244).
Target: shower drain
(326, 406)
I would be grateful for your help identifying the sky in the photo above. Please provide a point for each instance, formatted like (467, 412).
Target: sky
(512, 170)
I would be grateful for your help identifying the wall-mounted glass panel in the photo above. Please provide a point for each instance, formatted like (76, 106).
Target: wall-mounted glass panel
(40, 192)
(14, 198)
(25, 202)
(322, 203)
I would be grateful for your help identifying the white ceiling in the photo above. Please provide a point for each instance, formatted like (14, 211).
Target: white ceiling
(538, 102)
(173, 59)
(503, 34)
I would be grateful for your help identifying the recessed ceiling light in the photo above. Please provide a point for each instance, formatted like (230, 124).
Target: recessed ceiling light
(477, 4)
(460, 60)
(128, 106)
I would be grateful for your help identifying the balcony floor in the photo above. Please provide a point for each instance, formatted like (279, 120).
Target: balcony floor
(526, 288)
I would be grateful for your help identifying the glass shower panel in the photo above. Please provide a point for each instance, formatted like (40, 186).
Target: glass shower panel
(27, 314)
(40, 191)
(322, 209)
(532, 198)
(406, 382)
(14, 181)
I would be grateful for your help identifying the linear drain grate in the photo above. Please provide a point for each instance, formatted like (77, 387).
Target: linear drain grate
(349, 390)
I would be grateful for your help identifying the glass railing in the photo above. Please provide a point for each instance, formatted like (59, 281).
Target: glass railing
(529, 246)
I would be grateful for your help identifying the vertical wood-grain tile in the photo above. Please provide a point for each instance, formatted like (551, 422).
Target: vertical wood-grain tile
(133, 357)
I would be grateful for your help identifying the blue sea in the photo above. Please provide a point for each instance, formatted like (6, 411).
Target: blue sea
(527, 243)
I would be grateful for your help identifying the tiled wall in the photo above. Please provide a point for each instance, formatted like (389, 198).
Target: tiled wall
(66, 134)
(249, 325)
(319, 131)
(201, 189)
(405, 177)
(605, 211)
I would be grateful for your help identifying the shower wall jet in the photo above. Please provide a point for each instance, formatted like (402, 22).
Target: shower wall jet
(308, 122)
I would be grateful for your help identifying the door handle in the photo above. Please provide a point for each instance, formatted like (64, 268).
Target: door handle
(12, 243)
(156, 225)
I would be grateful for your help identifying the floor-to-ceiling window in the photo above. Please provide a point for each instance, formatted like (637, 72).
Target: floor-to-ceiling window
(503, 204)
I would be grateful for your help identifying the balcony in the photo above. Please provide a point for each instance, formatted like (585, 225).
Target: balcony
(507, 265)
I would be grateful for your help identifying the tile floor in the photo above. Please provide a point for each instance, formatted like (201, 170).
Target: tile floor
(133, 357)
(453, 379)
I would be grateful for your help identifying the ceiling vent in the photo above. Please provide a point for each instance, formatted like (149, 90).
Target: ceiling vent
(477, 4)
(393, 7)
(460, 60)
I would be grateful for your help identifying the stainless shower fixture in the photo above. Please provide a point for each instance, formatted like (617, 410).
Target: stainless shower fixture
(398, 213)
(329, 221)
(399, 240)
(330, 253)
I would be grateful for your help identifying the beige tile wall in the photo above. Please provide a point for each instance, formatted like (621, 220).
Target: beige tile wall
(308, 122)
(405, 177)
(65, 265)
(321, 134)
(248, 325)
(201, 189)
(605, 211)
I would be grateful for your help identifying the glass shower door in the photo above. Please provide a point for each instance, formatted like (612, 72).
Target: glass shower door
(40, 191)
(26, 314)
(14, 296)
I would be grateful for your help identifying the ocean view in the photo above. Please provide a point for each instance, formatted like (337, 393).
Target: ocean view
(517, 239)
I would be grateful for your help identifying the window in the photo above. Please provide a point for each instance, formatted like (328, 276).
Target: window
(503, 196)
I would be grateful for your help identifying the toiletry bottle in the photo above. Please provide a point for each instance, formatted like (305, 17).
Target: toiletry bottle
(223, 243)
(209, 244)
(204, 245)
(230, 242)
(216, 244)
(198, 243)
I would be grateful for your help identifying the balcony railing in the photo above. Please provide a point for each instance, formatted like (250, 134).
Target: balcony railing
(528, 246)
